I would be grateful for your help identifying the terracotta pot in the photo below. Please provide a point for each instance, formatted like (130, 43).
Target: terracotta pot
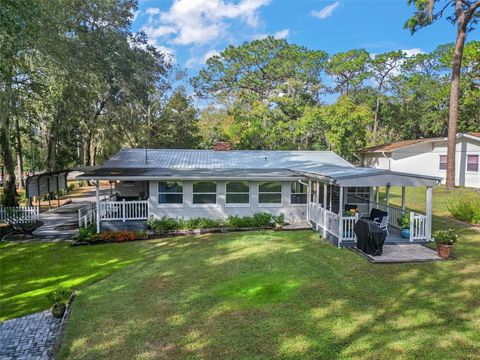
(444, 251)
(58, 310)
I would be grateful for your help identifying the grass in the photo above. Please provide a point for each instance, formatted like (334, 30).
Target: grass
(29, 271)
(271, 294)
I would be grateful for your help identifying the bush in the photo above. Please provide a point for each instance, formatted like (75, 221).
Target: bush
(86, 233)
(237, 222)
(162, 224)
(445, 237)
(466, 209)
(279, 219)
(262, 219)
(200, 223)
(404, 221)
(58, 296)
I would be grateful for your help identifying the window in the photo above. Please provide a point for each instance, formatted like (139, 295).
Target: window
(170, 192)
(204, 192)
(270, 193)
(358, 195)
(472, 163)
(238, 192)
(298, 194)
(443, 162)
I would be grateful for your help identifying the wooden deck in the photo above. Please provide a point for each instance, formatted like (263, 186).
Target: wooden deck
(402, 253)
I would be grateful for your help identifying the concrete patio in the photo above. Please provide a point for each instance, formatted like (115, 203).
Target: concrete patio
(402, 253)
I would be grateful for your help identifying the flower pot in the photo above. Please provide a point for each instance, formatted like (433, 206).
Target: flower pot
(58, 310)
(444, 251)
(405, 233)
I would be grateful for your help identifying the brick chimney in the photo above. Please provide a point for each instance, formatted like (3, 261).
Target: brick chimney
(221, 146)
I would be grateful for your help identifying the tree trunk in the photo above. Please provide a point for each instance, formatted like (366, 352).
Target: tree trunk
(454, 95)
(377, 110)
(21, 182)
(9, 191)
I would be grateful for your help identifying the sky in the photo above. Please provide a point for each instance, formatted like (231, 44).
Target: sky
(193, 30)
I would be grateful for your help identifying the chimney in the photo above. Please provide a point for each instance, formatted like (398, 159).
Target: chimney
(221, 146)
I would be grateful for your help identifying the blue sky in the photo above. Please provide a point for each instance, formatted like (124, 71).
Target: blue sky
(192, 30)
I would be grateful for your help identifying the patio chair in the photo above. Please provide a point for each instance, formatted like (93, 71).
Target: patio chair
(383, 224)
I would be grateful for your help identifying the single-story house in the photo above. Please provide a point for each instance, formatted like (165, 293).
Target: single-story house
(428, 157)
(314, 187)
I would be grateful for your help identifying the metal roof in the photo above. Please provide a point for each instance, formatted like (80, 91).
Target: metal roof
(151, 164)
(211, 159)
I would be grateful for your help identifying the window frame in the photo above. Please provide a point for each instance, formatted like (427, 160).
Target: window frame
(212, 204)
(234, 204)
(440, 163)
(270, 204)
(292, 193)
(477, 163)
(166, 204)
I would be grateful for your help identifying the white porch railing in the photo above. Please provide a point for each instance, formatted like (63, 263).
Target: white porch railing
(348, 224)
(324, 219)
(124, 210)
(87, 215)
(19, 214)
(393, 213)
(418, 226)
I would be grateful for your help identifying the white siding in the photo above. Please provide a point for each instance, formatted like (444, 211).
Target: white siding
(424, 159)
(292, 212)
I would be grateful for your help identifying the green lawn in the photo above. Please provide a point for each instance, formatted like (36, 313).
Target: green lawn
(28, 272)
(278, 294)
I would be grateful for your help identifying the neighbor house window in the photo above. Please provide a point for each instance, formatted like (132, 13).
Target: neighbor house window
(358, 195)
(270, 193)
(170, 192)
(238, 192)
(204, 192)
(472, 163)
(443, 162)
(298, 193)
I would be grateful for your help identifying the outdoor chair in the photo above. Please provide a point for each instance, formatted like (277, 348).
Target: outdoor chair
(383, 224)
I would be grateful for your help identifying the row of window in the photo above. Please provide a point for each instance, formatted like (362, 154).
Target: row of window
(472, 163)
(237, 192)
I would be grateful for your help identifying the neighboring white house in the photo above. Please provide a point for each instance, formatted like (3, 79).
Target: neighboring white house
(429, 157)
(306, 186)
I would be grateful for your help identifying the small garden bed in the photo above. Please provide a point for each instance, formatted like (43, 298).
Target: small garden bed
(174, 227)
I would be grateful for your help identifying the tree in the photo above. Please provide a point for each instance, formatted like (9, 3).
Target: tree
(348, 69)
(382, 70)
(466, 13)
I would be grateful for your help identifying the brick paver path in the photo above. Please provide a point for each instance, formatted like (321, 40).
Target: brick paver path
(29, 337)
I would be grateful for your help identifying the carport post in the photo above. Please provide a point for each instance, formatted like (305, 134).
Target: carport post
(387, 195)
(97, 193)
(428, 213)
(403, 197)
(340, 217)
(377, 196)
(323, 220)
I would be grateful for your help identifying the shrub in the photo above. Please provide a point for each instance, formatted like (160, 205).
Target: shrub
(279, 219)
(162, 224)
(262, 219)
(445, 237)
(404, 221)
(58, 296)
(466, 209)
(200, 223)
(86, 233)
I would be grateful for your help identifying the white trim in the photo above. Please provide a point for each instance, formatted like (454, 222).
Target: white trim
(272, 205)
(168, 205)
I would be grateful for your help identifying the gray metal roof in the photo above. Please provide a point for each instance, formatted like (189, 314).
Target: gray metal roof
(210, 159)
(247, 164)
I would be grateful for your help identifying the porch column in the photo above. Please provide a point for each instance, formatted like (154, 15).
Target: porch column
(97, 194)
(387, 195)
(324, 220)
(428, 213)
(340, 217)
(370, 199)
(403, 197)
(377, 195)
(309, 198)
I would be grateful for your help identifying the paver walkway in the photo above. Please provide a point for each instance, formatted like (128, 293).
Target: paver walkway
(29, 337)
(62, 222)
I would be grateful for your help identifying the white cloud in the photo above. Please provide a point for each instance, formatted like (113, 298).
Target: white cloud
(326, 11)
(209, 54)
(195, 61)
(197, 22)
(412, 52)
(282, 34)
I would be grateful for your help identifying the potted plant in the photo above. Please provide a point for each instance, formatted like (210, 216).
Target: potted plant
(58, 299)
(279, 221)
(404, 224)
(445, 240)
